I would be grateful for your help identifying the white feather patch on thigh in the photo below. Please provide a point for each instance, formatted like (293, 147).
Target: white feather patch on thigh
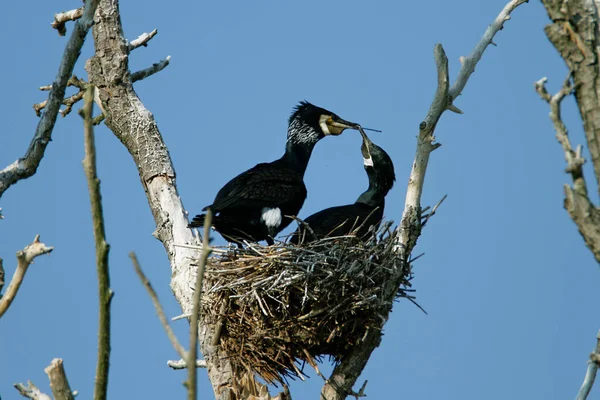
(271, 217)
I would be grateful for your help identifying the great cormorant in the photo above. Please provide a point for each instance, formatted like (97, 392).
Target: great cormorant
(368, 209)
(253, 206)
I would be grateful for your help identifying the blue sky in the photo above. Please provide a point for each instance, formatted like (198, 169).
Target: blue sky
(510, 289)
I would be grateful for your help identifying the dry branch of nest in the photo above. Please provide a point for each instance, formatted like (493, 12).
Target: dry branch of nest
(292, 304)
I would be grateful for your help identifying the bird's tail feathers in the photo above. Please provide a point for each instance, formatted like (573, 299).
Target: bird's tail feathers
(198, 221)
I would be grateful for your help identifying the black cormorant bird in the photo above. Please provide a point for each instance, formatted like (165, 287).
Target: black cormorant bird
(368, 209)
(253, 206)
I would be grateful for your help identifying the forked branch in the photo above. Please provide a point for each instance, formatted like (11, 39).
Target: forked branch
(25, 258)
(577, 202)
(58, 383)
(31, 391)
(347, 371)
(27, 165)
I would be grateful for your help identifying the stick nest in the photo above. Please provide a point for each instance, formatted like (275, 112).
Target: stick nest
(282, 305)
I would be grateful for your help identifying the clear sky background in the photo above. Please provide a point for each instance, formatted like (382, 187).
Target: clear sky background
(510, 289)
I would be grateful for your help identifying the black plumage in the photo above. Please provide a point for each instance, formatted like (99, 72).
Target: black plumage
(255, 205)
(368, 209)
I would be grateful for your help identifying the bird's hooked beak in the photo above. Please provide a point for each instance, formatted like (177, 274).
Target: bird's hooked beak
(334, 125)
(365, 148)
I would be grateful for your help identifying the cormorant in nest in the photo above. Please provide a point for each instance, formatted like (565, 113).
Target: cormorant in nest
(253, 205)
(367, 211)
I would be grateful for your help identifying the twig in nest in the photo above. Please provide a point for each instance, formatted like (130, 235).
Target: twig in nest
(305, 227)
(313, 364)
(290, 304)
(191, 246)
(220, 321)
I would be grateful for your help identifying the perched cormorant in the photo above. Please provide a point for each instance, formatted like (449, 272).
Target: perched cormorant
(253, 206)
(368, 209)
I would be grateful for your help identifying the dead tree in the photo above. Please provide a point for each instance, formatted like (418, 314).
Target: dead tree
(134, 125)
(108, 71)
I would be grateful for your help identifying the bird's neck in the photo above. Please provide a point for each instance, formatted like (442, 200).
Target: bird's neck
(297, 155)
(375, 194)
(372, 197)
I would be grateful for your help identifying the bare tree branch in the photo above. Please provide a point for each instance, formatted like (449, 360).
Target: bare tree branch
(590, 374)
(27, 165)
(344, 375)
(58, 380)
(158, 307)
(577, 202)
(145, 73)
(31, 391)
(574, 159)
(142, 40)
(102, 248)
(62, 18)
(426, 217)
(193, 352)
(182, 364)
(25, 258)
(1, 276)
(68, 101)
(81, 85)
(468, 63)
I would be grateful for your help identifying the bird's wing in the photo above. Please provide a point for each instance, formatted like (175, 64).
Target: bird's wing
(261, 186)
(330, 218)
